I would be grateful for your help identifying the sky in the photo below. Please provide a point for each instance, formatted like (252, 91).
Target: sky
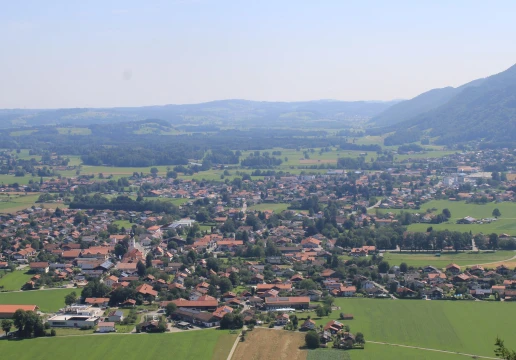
(60, 54)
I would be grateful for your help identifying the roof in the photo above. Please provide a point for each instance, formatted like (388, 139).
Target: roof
(189, 303)
(11, 309)
(146, 289)
(38, 265)
(106, 324)
(96, 300)
(287, 300)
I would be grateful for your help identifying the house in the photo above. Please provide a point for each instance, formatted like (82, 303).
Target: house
(274, 303)
(115, 316)
(147, 291)
(40, 267)
(74, 321)
(333, 326)
(282, 320)
(7, 311)
(110, 280)
(453, 268)
(149, 326)
(100, 302)
(105, 327)
(206, 305)
(347, 291)
(309, 324)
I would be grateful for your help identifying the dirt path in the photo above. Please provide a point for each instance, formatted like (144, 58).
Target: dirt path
(237, 340)
(435, 350)
(493, 262)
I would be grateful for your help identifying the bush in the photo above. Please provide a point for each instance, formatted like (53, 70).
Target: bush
(53, 332)
(312, 340)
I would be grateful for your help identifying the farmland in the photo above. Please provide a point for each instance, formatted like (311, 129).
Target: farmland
(460, 326)
(47, 300)
(461, 259)
(271, 344)
(378, 351)
(184, 346)
(11, 281)
(460, 209)
(13, 202)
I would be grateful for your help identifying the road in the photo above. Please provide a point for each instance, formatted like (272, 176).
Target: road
(385, 290)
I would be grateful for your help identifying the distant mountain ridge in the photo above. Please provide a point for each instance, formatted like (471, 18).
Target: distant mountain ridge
(484, 109)
(224, 112)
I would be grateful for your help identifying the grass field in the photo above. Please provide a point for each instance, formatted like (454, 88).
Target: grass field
(74, 131)
(273, 207)
(460, 209)
(16, 202)
(202, 344)
(46, 300)
(461, 259)
(11, 281)
(460, 326)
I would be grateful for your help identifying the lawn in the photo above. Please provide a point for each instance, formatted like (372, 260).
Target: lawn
(460, 326)
(201, 344)
(11, 281)
(460, 209)
(462, 259)
(277, 208)
(14, 203)
(74, 131)
(46, 300)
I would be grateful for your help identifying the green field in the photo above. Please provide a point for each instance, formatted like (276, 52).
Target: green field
(460, 326)
(384, 352)
(46, 300)
(277, 208)
(198, 344)
(12, 281)
(460, 209)
(462, 259)
(16, 202)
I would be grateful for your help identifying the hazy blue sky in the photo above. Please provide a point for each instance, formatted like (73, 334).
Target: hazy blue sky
(130, 53)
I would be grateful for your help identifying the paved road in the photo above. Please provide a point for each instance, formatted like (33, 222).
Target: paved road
(436, 350)
(385, 290)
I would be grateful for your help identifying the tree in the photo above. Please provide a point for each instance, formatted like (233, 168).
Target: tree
(312, 340)
(502, 352)
(497, 213)
(403, 267)
(140, 268)
(359, 338)
(383, 267)
(493, 241)
(154, 171)
(71, 298)
(170, 309)
(148, 260)
(446, 213)
(6, 325)
(225, 285)
(307, 284)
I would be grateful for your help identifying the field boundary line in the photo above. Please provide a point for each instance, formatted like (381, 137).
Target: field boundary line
(436, 350)
(237, 340)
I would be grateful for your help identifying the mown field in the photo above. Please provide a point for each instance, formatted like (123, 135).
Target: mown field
(202, 344)
(460, 209)
(383, 352)
(277, 208)
(10, 203)
(460, 326)
(47, 300)
(461, 259)
(11, 281)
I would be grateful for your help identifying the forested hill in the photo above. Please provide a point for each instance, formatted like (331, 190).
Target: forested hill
(408, 109)
(484, 112)
(223, 112)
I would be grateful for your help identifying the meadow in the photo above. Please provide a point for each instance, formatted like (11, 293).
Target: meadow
(198, 344)
(13, 202)
(47, 300)
(11, 281)
(459, 326)
(460, 209)
(461, 259)
(277, 208)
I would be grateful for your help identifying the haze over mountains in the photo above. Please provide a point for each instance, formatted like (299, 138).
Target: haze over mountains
(484, 109)
(224, 112)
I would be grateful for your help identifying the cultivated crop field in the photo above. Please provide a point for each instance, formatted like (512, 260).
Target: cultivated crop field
(202, 344)
(11, 281)
(271, 344)
(47, 300)
(461, 259)
(459, 326)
